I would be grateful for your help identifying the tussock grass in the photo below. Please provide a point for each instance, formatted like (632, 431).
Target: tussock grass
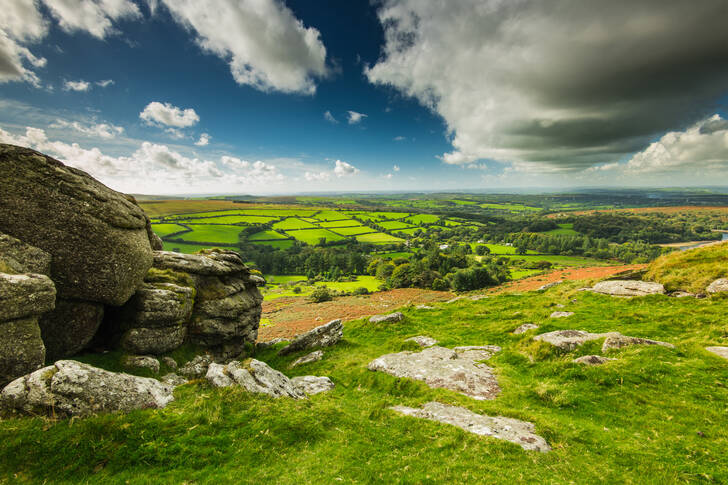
(692, 270)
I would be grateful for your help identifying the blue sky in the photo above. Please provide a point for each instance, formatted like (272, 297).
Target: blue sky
(266, 96)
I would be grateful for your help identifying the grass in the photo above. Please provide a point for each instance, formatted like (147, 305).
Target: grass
(266, 236)
(510, 207)
(561, 260)
(653, 416)
(166, 229)
(235, 219)
(378, 238)
(340, 223)
(280, 279)
(424, 218)
(312, 236)
(212, 233)
(408, 232)
(393, 255)
(394, 225)
(157, 208)
(184, 248)
(329, 215)
(690, 270)
(280, 244)
(496, 249)
(274, 291)
(292, 223)
(353, 231)
(565, 229)
(517, 274)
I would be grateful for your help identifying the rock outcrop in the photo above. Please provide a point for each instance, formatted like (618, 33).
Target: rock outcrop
(509, 429)
(253, 376)
(459, 369)
(322, 336)
(568, 340)
(525, 328)
(70, 388)
(628, 288)
(312, 385)
(561, 314)
(718, 286)
(719, 351)
(389, 318)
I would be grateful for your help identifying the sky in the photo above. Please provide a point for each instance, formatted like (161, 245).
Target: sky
(295, 96)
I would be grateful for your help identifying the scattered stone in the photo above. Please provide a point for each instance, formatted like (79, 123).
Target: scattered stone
(440, 367)
(550, 285)
(322, 336)
(682, 294)
(390, 318)
(174, 380)
(170, 363)
(266, 345)
(457, 298)
(422, 341)
(592, 360)
(71, 388)
(560, 305)
(479, 297)
(718, 286)
(424, 307)
(525, 328)
(509, 429)
(618, 341)
(197, 367)
(719, 351)
(561, 314)
(308, 358)
(311, 385)
(254, 376)
(628, 288)
(141, 362)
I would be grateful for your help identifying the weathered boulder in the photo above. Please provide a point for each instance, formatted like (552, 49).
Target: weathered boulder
(19, 257)
(141, 362)
(459, 369)
(525, 328)
(308, 358)
(70, 327)
(619, 341)
(174, 380)
(389, 318)
(718, 286)
(169, 362)
(71, 388)
(561, 314)
(592, 360)
(253, 376)
(322, 336)
(719, 351)
(197, 367)
(96, 237)
(311, 385)
(509, 429)
(23, 295)
(422, 341)
(570, 339)
(628, 288)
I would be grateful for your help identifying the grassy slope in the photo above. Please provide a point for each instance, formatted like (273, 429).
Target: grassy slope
(690, 270)
(653, 416)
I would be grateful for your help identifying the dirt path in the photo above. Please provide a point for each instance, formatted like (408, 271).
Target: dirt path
(535, 282)
(291, 316)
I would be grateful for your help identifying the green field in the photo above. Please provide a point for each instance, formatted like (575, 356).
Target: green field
(329, 215)
(312, 236)
(452, 223)
(408, 232)
(378, 238)
(281, 279)
(236, 219)
(184, 248)
(510, 207)
(266, 235)
(274, 290)
(565, 229)
(392, 225)
(353, 231)
(293, 223)
(212, 234)
(162, 230)
(563, 260)
(279, 244)
(497, 249)
(424, 218)
(340, 223)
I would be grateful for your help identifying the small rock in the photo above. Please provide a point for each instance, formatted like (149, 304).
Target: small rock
(170, 362)
(254, 376)
(270, 343)
(682, 294)
(479, 297)
(174, 380)
(389, 318)
(509, 429)
(323, 336)
(425, 307)
(719, 351)
(197, 367)
(141, 362)
(618, 341)
(525, 328)
(550, 285)
(422, 341)
(592, 360)
(718, 286)
(561, 314)
(628, 288)
(311, 385)
(308, 358)
(570, 339)
(559, 305)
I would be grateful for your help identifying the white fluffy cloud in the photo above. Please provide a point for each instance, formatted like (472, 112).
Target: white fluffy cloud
(395, 168)
(93, 16)
(266, 46)
(80, 85)
(317, 176)
(702, 147)
(343, 169)
(101, 130)
(105, 83)
(168, 115)
(565, 84)
(355, 117)
(204, 140)
(329, 117)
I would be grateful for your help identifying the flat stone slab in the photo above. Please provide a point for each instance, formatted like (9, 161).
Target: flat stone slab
(308, 358)
(321, 336)
(719, 351)
(525, 328)
(456, 369)
(628, 288)
(592, 360)
(509, 429)
(570, 339)
(389, 318)
(422, 341)
(311, 385)
(561, 314)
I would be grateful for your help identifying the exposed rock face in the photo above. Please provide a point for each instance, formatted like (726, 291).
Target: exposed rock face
(561, 314)
(311, 385)
(254, 376)
(96, 237)
(71, 388)
(570, 339)
(422, 341)
(509, 429)
(18, 257)
(525, 328)
(458, 369)
(719, 351)
(592, 360)
(141, 362)
(308, 358)
(628, 288)
(322, 336)
(70, 327)
(197, 367)
(390, 318)
(718, 286)
(23, 298)
(174, 380)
